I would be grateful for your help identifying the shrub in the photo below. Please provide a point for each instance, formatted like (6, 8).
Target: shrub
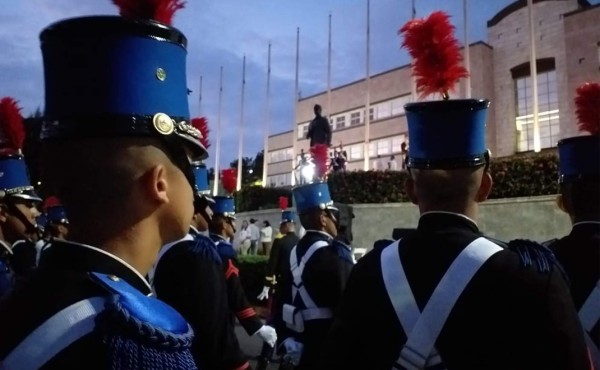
(528, 174)
(253, 269)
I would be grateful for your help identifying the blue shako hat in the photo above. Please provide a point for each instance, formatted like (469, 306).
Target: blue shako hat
(579, 158)
(287, 216)
(57, 214)
(201, 187)
(312, 196)
(14, 180)
(108, 76)
(224, 206)
(447, 134)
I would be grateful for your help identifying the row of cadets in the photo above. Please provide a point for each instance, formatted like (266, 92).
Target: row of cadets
(276, 268)
(188, 275)
(18, 201)
(222, 231)
(116, 111)
(579, 181)
(445, 295)
(315, 278)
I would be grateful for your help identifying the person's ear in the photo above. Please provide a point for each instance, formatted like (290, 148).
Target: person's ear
(561, 204)
(409, 188)
(485, 188)
(155, 184)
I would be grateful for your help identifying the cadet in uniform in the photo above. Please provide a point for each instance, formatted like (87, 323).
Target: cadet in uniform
(312, 286)
(279, 263)
(55, 225)
(579, 178)
(117, 113)
(222, 229)
(189, 276)
(446, 295)
(17, 199)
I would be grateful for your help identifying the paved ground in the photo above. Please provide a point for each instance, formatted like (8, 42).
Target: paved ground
(252, 346)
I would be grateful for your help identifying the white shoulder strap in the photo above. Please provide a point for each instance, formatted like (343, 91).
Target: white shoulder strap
(589, 313)
(54, 335)
(421, 339)
(297, 270)
(400, 294)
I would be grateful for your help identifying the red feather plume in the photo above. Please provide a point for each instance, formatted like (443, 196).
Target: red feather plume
(283, 203)
(51, 202)
(436, 53)
(12, 131)
(320, 154)
(201, 124)
(587, 104)
(159, 10)
(229, 179)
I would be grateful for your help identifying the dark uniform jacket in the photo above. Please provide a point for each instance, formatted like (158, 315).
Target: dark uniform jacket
(324, 277)
(189, 277)
(579, 254)
(319, 131)
(279, 260)
(62, 279)
(238, 302)
(508, 317)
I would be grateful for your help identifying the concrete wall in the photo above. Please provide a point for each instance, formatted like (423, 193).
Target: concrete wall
(535, 218)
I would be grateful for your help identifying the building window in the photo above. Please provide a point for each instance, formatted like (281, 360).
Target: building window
(281, 155)
(372, 149)
(356, 152)
(383, 110)
(397, 143)
(383, 147)
(340, 121)
(398, 104)
(355, 118)
(548, 113)
(372, 109)
(302, 130)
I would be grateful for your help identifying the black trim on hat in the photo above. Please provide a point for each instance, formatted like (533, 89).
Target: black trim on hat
(447, 164)
(112, 26)
(447, 105)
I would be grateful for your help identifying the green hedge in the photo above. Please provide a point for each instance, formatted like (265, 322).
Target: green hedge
(252, 198)
(530, 174)
(253, 269)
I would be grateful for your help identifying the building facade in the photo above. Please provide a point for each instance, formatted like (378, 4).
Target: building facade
(567, 39)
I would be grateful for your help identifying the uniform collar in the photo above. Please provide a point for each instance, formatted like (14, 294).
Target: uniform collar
(439, 219)
(218, 237)
(586, 226)
(66, 255)
(194, 231)
(5, 245)
(323, 233)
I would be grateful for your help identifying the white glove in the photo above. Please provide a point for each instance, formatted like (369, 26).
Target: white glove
(267, 334)
(264, 294)
(293, 351)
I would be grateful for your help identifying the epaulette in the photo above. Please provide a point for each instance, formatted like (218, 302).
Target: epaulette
(141, 331)
(382, 243)
(533, 254)
(204, 246)
(344, 251)
(225, 250)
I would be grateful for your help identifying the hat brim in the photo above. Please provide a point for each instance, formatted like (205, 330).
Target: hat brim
(33, 197)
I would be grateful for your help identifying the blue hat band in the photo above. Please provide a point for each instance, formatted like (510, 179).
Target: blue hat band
(579, 158)
(13, 175)
(447, 134)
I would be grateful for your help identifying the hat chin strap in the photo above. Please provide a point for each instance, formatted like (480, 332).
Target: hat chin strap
(30, 228)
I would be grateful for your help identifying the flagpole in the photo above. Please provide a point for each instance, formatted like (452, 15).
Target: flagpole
(200, 98)
(368, 94)
(329, 110)
(413, 80)
(241, 130)
(266, 120)
(296, 127)
(467, 52)
(533, 72)
(218, 145)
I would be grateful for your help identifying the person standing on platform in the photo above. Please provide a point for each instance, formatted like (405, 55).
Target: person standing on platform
(319, 130)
